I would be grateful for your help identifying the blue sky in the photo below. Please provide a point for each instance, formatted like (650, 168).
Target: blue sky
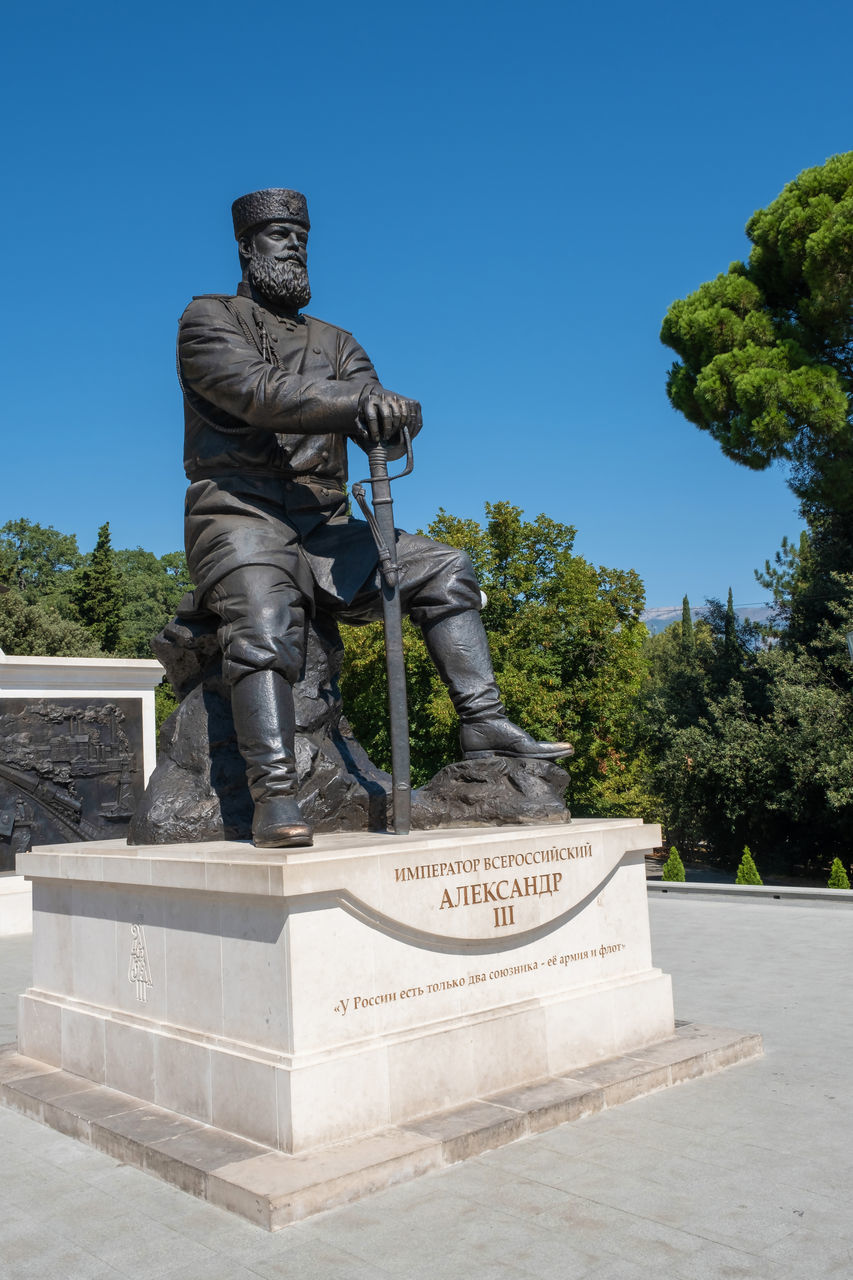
(505, 199)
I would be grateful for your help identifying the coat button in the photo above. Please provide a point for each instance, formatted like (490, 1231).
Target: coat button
(316, 350)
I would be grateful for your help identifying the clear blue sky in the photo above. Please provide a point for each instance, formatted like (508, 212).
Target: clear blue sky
(505, 199)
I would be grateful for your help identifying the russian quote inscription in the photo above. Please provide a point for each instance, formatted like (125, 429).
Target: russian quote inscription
(361, 1002)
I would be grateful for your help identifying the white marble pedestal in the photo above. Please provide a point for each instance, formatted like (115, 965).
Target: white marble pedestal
(301, 998)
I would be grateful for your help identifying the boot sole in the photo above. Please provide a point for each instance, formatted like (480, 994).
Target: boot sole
(283, 840)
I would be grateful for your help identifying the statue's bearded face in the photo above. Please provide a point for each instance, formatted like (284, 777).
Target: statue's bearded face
(277, 264)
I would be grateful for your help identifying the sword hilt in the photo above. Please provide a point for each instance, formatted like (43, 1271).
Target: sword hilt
(380, 483)
(377, 456)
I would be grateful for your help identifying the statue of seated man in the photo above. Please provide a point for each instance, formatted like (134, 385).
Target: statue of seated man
(272, 397)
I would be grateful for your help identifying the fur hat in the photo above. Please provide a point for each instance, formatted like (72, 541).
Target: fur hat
(275, 204)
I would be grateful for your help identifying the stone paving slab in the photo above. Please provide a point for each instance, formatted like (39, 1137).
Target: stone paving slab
(738, 1174)
(274, 1189)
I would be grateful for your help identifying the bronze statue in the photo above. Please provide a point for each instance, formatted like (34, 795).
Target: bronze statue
(272, 396)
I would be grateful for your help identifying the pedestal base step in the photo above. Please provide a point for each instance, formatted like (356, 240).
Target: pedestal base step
(274, 1189)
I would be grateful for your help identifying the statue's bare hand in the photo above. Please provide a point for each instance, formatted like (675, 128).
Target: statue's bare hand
(382, 413)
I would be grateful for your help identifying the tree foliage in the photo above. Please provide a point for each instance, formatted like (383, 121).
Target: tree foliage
(151, 590)
(749, 733)
(766, 365)
(673, 868)
(688, 639)
(38, 561)
(64, 602)
(567, 647)
(788, 579)
(754, 745)
(838, 877)
(33, 630)
(766, 350)
(97, 594)
(747, 872)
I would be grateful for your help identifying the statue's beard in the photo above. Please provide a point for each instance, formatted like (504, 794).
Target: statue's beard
(283, 281)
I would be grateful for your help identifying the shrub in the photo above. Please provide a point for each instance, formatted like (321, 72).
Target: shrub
(673, 868)
(838, 877)
(747, 872)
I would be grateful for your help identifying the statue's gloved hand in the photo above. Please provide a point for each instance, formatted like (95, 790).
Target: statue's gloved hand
(382, 413)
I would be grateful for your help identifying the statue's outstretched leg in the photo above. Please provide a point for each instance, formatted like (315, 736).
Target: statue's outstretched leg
(460, 650)
(440, 591)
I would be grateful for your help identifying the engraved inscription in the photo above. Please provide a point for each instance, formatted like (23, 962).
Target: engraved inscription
(500, 862)
(531, 874)
(358, 1003)
(139, 971)
(471, 895)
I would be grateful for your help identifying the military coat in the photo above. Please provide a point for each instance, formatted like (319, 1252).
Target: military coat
(270, 400)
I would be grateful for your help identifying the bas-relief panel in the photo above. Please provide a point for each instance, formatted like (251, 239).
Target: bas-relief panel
(70, 770)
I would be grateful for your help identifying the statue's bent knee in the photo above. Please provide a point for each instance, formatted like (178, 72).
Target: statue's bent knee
(243, 654)
(260, 630)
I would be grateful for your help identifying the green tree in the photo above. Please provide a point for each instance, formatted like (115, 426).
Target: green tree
(38, 561)
(151, 590)
(766, 759)
(39, 630)
(838, 877)
(731, 649)
(55, 602)
(788, 579)
(98, 597)
(750, 743)
(567, 645)
(747, 872)
(688, 638)
(766, 362)
(674, 691)
(673, 868)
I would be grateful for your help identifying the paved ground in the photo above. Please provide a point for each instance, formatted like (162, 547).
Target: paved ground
(745, 1173)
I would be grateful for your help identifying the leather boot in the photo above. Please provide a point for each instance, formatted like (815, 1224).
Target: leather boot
(265, 723)
(459, 647)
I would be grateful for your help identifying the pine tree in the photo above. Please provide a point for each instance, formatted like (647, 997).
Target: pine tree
(98, 594)
(673, 868)
(747, 872)
(764, 366)
(838, 877)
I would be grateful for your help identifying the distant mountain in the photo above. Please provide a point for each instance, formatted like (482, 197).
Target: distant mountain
(659, 619)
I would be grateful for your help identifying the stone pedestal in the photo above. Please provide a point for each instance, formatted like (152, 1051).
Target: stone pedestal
(304, 997)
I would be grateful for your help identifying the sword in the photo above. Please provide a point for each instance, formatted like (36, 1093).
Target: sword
(381, 522)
